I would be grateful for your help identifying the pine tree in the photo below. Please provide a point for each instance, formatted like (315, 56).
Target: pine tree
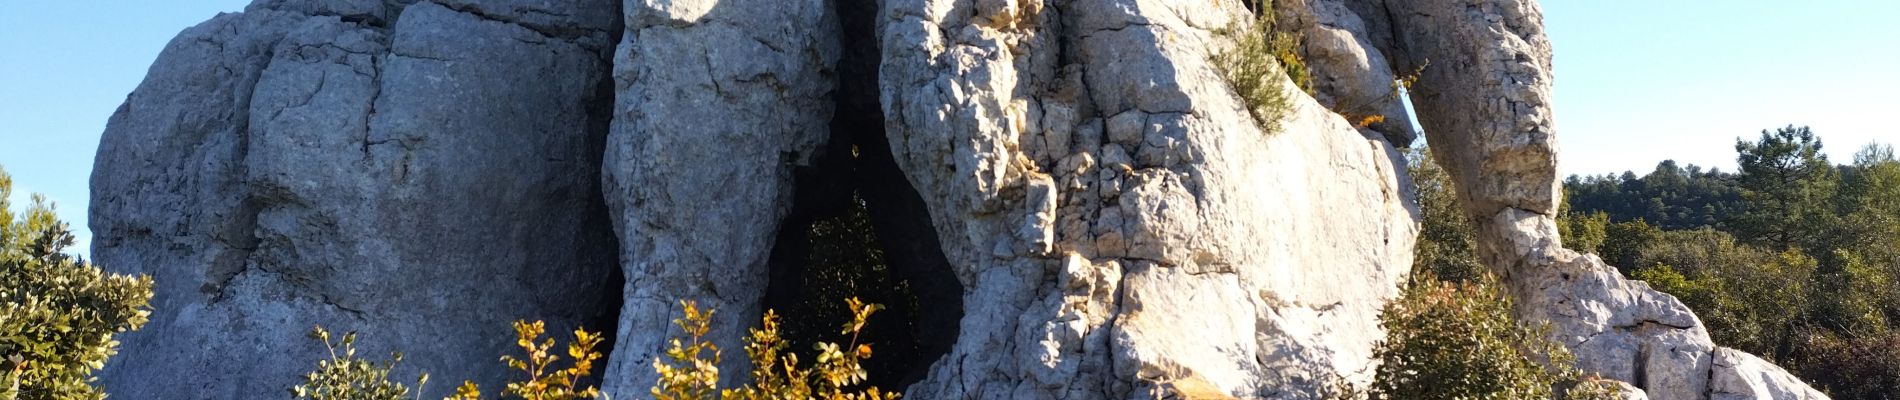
(1788, 185)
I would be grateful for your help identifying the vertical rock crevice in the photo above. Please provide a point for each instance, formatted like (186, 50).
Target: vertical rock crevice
(857, 210)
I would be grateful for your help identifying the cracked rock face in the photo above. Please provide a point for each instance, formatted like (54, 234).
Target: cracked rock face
(1116, 219)
(406, 171)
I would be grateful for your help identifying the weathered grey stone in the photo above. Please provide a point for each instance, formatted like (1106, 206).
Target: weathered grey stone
(1740, 376)
(1349, 74)
(716, 103)
(1173, 212)
(311, 163)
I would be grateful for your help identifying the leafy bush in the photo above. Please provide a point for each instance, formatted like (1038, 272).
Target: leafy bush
(1458, 341)
(1865, 367)
(57, 313)
(1623, 243)
(345, 376)
(1451, 334)
(1258, 66)
(1445, 249)
(1583, 232)
(1751, 300)
(689, 371)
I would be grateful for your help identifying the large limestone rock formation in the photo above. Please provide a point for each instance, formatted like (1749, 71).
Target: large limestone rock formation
(1113, 221)
(1102, 194)
(716, 103)
(1118, 221)
(423, 179)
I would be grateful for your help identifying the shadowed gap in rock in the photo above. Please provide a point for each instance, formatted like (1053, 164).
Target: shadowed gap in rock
(858, 229)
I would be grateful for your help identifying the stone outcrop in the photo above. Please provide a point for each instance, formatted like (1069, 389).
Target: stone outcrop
(423, 180)
(1104, 217)
(716, 103)
(1118, 222)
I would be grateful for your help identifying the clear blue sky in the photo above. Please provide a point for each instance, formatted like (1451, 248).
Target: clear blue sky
(65, 65)
(1637, 81)
(1643, 81)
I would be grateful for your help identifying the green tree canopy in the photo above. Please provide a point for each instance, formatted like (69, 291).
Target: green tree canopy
(1788, 185)
(57, 313)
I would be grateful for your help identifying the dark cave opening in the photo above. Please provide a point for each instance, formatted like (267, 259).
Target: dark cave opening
(858, 229)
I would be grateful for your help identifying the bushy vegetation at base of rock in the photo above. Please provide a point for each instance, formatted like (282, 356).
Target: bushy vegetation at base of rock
(1457, 340)
(348, 376)
(58, 314)
(689, 371)
(1451, 334)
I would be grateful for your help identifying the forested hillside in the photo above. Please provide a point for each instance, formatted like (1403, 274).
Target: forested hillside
(1793, 257)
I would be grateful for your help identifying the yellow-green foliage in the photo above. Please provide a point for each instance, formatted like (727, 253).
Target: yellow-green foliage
(689, 371)
(347, 377)
(57, 314)
(560, 384)
(1258, 66)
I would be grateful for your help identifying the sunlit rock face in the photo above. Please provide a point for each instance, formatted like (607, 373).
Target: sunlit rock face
(1105, 220)
(1117, 219)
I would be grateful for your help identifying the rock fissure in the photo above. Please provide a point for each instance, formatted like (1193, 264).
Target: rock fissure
(568, 33)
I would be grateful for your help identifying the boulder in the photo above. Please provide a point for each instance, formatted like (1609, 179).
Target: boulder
(1120, 225)
(422, 174)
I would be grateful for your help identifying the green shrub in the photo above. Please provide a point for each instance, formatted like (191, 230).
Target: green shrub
(345, 376)
(1865, 367)
(1259, 65)
(1458, 341)
(1445, 250)
(1451, 334)
(1623, 243)
(57, 313)
(1583, 232)
(689, 371)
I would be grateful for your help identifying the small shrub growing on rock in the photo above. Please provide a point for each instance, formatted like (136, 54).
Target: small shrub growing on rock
(1451, 334)
(1258, 66)
(689, 371)
(57, 313)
